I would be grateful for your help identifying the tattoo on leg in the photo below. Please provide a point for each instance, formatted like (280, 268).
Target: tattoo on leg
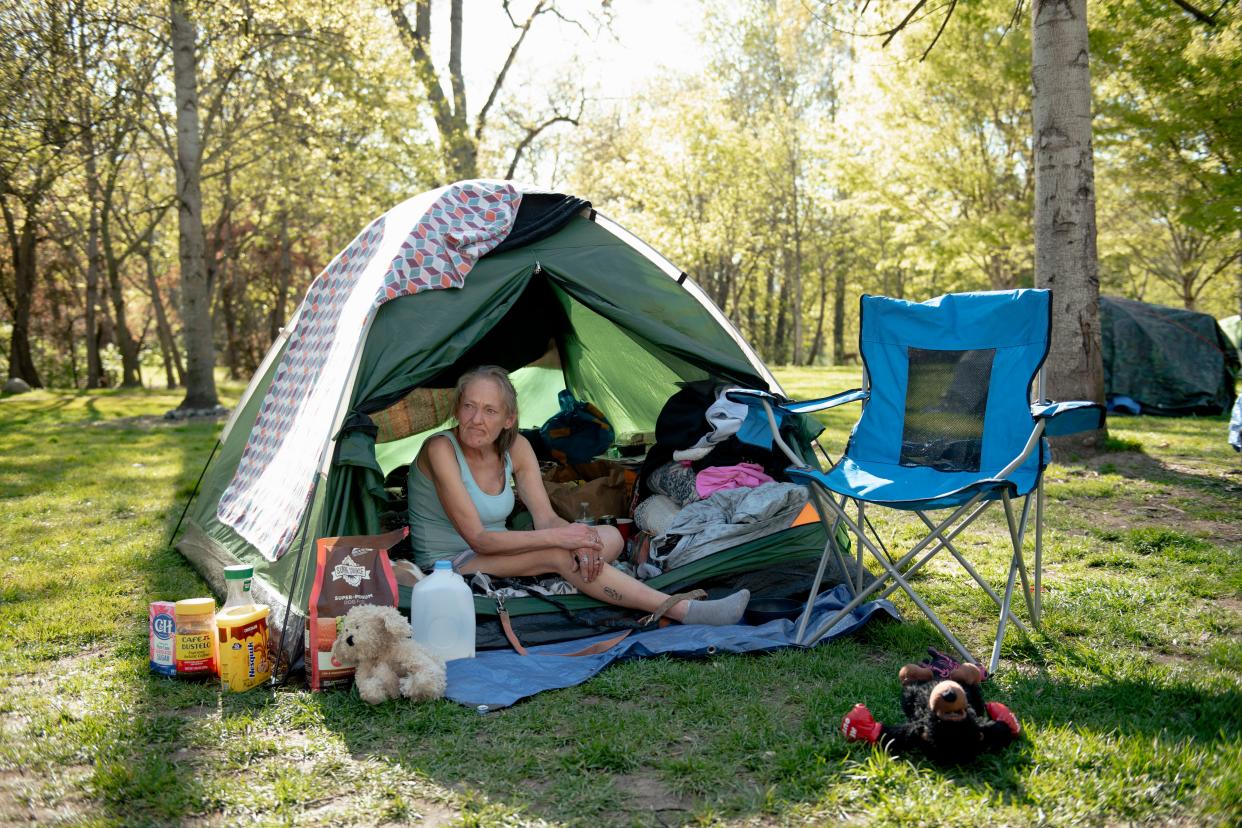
(612, 593)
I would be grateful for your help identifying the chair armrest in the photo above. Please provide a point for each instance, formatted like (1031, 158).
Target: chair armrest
(795, 407)
(1061, 418)
(824, 403)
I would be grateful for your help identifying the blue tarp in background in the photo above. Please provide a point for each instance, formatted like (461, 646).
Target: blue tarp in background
(499, 678)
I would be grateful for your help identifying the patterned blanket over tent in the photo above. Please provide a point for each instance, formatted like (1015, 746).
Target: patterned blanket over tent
(426, 243)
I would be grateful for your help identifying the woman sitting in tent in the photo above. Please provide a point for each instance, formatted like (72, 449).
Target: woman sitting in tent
(460, 497)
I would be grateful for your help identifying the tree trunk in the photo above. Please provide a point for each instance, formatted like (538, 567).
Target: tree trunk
(228, 309)
(173, 371)
(781, 336)
(795, 275)
(103, 336)
(60, 308)
(125, 341)
(1065, 253)
(838, 316)
(285, 277)
(463, 150)
(752, 316)
(22, 251)
(200, 382)
(769, 311)
(94, 367)
(817, 345)
(458, 146)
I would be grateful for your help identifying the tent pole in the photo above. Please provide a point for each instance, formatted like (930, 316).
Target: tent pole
(190, 499)
(297, 581)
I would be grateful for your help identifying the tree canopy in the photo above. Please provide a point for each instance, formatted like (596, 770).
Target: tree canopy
(801, 163)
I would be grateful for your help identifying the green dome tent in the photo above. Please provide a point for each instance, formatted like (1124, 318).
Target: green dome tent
(568, 299)
(1170, 361)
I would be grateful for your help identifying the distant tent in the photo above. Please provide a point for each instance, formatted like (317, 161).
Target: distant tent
(1170, 361)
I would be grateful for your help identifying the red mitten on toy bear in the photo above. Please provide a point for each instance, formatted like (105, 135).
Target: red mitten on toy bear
(997, 712)
(860, 726)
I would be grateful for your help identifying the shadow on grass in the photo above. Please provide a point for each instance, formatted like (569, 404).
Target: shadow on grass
(576, 755)
(158, 756)
(35, 413)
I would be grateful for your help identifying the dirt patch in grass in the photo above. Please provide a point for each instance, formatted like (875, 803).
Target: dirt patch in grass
(644, 792)
(25, 798)
(1140, 506)
(345, 809)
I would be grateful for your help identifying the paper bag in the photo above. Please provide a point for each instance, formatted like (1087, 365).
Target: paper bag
(604, 495)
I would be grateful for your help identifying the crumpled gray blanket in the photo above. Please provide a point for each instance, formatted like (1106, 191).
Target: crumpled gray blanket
(727, 518)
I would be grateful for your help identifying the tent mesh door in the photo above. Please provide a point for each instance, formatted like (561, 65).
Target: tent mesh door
(946, 397)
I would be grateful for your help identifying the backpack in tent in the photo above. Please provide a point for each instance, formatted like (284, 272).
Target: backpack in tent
(577, 433)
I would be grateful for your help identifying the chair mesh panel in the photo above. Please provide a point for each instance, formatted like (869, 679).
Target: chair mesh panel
(946, 396)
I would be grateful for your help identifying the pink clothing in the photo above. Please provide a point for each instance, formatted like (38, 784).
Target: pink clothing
(717, 478)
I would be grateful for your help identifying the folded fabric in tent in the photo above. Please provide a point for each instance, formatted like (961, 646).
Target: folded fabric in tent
(724, 417)
(728, 518)
(499, 678)
(717, 478)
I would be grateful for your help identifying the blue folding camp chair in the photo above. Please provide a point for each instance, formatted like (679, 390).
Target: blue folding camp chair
(948, 422)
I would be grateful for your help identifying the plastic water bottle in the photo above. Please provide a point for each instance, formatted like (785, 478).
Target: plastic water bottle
(442, 613)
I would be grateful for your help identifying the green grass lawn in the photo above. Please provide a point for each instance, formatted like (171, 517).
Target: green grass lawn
(1131, 699)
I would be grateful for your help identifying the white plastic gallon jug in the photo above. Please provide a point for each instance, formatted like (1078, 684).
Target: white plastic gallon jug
(442, 613)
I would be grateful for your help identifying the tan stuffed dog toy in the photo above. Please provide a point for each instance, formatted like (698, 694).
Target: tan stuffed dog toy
(388, 662)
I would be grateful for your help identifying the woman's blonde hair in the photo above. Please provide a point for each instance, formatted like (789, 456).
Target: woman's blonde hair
(508, 393)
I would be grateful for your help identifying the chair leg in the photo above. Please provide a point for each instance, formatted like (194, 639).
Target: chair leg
(817, 499)
(967, 566)
(940, 539)
(894, 573)
(1022, 527)
(1014, 565)
(858, 572)
(1038, 596)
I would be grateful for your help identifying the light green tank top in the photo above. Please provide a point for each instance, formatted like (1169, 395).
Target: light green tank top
(432, 534)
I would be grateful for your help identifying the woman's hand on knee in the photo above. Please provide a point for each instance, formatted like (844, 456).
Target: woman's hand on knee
(588, 563)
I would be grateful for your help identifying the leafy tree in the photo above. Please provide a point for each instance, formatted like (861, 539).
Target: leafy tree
(1170, 115)
(37, 132)
(957, 125)
(461, 132)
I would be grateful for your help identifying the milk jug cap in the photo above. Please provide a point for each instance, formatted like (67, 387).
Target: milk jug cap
(238, 572)
(444, 566)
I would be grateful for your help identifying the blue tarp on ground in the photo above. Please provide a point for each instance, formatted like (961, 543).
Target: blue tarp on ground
(499, 678)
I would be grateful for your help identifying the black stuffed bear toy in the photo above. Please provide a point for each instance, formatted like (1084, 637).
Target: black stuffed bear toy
(947, 719)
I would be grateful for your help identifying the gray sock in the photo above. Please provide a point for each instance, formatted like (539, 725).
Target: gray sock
(718, 613)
